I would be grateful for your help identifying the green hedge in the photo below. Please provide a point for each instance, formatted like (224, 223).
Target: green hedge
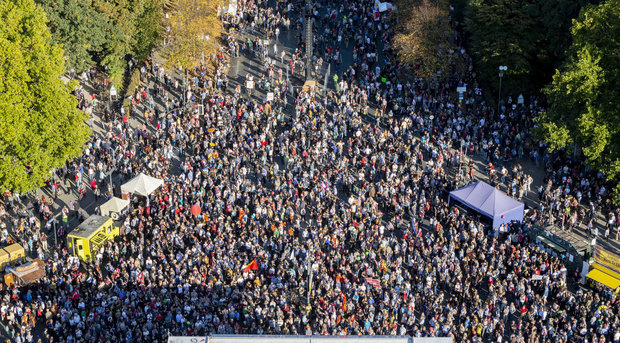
(134, 82)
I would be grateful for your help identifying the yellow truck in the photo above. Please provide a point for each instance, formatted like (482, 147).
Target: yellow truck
(25, 274)
(19, 269)
(85, 240)
(11, 254)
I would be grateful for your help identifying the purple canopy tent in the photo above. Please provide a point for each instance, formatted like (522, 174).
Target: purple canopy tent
(483, 198)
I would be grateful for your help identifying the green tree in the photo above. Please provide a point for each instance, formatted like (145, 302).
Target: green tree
(149, 27)
(109, 30)
(528, 36)
(556, 18)
(502, 33)
(120, 40)
(584, 93)
(425, 37)
(194, 31)
(134, 29)
(40, 126)
(78, 27)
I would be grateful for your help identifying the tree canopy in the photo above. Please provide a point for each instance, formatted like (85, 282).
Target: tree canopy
(149, 28)
(119, 38)
(105, 32)
(194, 32)
(425, 37)
(527, 36)
(135, 28)
(78, 27)
(584, 93)
(40, 125)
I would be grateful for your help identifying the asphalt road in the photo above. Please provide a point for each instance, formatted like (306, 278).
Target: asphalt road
(249, 64)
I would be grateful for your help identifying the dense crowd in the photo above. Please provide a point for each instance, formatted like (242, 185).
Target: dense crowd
(351, 187)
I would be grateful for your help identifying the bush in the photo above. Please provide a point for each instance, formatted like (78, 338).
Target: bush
(134, 82)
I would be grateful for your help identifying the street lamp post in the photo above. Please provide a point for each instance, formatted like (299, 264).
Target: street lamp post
(53, 222)
(431, 118)
(502, 69)
(111, 171)
(55, 233)
(461, 160)
(309, 267)
(309, 38)
(113, 97)
(114, 162)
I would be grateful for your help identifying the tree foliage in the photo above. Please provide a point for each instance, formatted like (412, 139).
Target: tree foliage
(135, 28)
(78, 27)
(500, 36)
(40, 126)
(105, 31)
(149, 28)
(120, 38)
(425, 37)
(584, 93)
(194, 32)
(528, 36)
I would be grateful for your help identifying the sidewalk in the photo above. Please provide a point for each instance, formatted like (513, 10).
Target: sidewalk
(67, 190)
(241, 66)
(577, 236)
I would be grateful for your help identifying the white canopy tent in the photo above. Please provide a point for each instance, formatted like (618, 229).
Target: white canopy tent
(114, 205)
(142, 185)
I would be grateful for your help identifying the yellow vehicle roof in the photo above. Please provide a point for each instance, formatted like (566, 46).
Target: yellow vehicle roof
(90, 226)
(14, 248)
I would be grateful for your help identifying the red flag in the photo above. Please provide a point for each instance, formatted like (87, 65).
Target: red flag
(344, 302)
(252, 265)
(75, 295)
(141, 277)
(374, 282)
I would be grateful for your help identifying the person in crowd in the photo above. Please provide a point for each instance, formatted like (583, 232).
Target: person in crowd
(350, 187)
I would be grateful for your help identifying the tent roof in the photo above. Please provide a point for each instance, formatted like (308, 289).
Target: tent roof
(142, 185)
(486, 199)
(114, 205)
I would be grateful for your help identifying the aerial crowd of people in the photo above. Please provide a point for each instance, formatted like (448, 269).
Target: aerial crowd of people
(349, 185)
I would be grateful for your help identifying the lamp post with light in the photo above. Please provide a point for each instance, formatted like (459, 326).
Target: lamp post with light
(502, 69)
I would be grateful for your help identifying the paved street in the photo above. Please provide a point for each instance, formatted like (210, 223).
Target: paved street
(249, 64)
(320, 215)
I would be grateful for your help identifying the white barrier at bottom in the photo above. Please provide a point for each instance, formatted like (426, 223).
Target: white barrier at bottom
(305, 339)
